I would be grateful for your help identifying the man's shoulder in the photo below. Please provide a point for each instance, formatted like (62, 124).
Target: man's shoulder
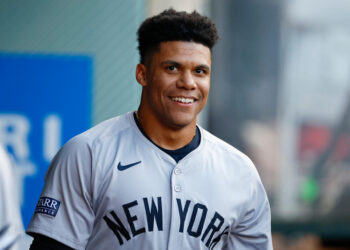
(217, 142)
(223, 149)
(110, 128)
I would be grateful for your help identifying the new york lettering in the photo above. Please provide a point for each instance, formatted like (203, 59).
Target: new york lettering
(153, 214)
(197, 216)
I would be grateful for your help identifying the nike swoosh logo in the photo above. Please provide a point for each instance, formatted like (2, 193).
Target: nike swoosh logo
(123, 167)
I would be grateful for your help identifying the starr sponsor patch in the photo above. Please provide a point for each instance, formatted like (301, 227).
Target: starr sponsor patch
(47, 205)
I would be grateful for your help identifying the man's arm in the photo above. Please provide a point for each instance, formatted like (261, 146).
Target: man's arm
(64, 210)
(254, 228)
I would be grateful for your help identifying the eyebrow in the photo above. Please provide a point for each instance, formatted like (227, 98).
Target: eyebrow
(170, 62)
(203, 66)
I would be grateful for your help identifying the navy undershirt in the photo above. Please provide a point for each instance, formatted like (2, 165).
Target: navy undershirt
(180, 153)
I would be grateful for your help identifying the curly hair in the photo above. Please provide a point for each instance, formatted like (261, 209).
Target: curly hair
(172, 25)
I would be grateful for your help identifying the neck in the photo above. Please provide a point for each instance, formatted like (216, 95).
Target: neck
(165, 136)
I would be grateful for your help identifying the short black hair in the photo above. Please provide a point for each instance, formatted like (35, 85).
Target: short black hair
(172, 25)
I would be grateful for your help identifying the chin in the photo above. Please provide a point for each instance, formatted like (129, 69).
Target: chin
(181, 121)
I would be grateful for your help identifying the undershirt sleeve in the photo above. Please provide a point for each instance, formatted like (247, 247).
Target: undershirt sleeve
(42, 242)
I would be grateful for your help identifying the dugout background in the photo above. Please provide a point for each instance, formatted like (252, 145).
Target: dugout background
(281, 87)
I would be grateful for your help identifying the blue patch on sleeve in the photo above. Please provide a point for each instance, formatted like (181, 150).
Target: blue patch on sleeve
(47, 205)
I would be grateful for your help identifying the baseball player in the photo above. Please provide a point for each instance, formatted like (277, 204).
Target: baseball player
(154, 179)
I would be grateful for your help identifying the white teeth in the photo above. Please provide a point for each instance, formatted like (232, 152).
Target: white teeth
(182, 99)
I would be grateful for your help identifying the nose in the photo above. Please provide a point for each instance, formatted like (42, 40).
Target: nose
(186, 81)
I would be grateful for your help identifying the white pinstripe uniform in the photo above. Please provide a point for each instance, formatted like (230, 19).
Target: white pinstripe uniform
(112, 188)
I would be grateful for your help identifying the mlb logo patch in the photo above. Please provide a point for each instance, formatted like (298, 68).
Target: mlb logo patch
(47, 205)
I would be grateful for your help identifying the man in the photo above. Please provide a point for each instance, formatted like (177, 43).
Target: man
(153, 179)
(11, 228)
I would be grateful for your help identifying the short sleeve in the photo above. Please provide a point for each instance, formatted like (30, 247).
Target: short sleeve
(64, 211)
(254, 228)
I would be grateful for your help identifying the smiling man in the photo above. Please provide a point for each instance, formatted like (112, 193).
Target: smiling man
(175, 89)
(154, 179)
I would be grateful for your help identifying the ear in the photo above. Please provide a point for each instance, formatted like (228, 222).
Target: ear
(141, 74)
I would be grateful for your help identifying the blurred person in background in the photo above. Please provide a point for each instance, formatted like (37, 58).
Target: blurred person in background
(11, 228)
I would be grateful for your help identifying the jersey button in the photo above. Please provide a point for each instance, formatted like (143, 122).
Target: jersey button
(177, 188)
(177, 171)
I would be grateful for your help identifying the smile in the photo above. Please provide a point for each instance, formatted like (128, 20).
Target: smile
(182, 99)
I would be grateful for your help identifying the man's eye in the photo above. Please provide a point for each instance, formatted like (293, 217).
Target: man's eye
(172, 67)
(199, 71)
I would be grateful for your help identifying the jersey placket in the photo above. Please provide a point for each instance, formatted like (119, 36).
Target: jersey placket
(177, 192)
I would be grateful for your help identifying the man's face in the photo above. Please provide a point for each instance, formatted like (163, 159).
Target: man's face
(176, 83)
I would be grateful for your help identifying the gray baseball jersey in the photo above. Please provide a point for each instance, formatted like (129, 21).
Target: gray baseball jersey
(112, 188)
